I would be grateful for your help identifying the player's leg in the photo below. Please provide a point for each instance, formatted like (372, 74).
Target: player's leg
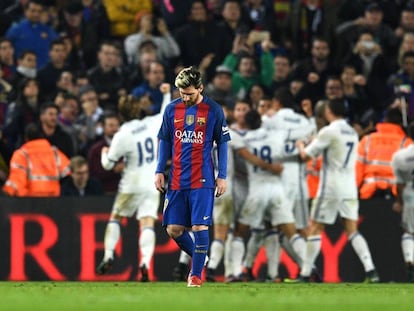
(180, 272)
(201, 202)
(146, 245)
(216, 249)
(272, 247)
(122, 208)
(407, 239)
(254, 243)
(349, 212)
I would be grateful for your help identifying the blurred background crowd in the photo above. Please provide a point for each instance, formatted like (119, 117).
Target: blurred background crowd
(65, 63)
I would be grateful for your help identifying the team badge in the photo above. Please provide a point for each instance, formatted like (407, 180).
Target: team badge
(201, 121)
(189, 119)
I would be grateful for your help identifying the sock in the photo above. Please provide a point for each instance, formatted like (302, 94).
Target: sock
(146, 245)
(407, 245)
(201, 241)
(237, 253)
(272, 247)
(216, 254)
(112, 234)
(252, 247)
(228, 266)
(313, 247)
(288, 248)
(361, 249)
(186, 243)
(299, 247)
(184, 258)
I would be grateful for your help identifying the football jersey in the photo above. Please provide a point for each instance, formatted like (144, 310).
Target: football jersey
(403, 166)
(191, 132)
(295, 127)
(263, 143)
(337, 142)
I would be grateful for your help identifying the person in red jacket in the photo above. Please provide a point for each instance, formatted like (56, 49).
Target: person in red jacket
(36, 168)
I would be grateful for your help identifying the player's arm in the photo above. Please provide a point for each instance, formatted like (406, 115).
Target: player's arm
(164, 154)
(110, 156)
(300, 144)
(399, 177)
(221, 184)
(165, 89)
(316, 146)
(275, 168)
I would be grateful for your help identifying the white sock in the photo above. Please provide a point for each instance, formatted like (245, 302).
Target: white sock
(228, 267)
(288, 248)
(407, 245)
(313, 247)
(112, 235)
(299, 247)
(216, 254)
(146, 245)
(252, 248)
(237, 253)
(272, 246)
(361, 249)
(184, 258)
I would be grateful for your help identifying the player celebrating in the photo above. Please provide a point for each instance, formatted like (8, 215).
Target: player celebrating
(403, 166)
(191, 124)
(136, 143)
(337, 142)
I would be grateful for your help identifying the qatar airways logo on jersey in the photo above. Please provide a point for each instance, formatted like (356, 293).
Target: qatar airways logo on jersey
(192, 137)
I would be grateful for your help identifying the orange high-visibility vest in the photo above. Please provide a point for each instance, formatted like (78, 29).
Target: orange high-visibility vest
(373, 167)
(35, 170)
(313, 167)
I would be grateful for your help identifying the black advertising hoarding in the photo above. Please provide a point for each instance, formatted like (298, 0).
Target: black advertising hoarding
(62, 239)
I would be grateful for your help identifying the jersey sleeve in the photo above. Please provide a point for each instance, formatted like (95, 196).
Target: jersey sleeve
(396, 167)
(116, 150)
(221, 130)
(237, 141)
(320, 143)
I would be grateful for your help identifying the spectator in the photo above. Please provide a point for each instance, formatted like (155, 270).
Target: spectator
(88, 121)
(26, 68)
(49, 75)
(30, 33)
(109, 84)
(151, 87)
(220, 87)
(256, 92)
(24, 110)
(36, 167)
(406, 22)
(281, 72)
(139, 73)
(68, 113)
(122, 15)
(84, 26)
(370, 62)
(109, 179)
(401, 84)
(374, 173)
(314, 70)
(52, 131)
(7, 63)
(79, 184)
(165, 44)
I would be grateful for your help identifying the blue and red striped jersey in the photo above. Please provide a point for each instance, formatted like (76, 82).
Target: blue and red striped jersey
(191, 132)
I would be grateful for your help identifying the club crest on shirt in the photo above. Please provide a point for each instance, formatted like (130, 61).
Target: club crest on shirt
(189, 120)
(201, 121)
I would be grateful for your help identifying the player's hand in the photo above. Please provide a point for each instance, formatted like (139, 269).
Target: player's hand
(397, 207)
(275, 168)
(104, 149)
(159, 182)
(221, 186)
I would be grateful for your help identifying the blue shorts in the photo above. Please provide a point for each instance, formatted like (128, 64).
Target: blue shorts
(188, 207)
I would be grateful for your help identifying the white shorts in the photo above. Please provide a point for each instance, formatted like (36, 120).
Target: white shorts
(143, 204)
(325, 210)
(223, 212)
(266, 198)
(407, 218)
(301, 213)
(240, 187)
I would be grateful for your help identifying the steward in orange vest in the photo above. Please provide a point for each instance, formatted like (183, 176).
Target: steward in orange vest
(373, 168)
(36, 167)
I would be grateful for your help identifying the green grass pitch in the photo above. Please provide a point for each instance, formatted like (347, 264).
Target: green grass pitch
(128, 296)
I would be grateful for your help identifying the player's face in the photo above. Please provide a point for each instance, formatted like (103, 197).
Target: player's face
(190, 95)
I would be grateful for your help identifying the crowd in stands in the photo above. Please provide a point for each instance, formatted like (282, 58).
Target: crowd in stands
(66, 63)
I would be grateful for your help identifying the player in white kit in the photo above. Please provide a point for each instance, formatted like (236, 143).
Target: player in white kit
(136, 142)
(403, 166)
(266, 192)
(337, 190)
